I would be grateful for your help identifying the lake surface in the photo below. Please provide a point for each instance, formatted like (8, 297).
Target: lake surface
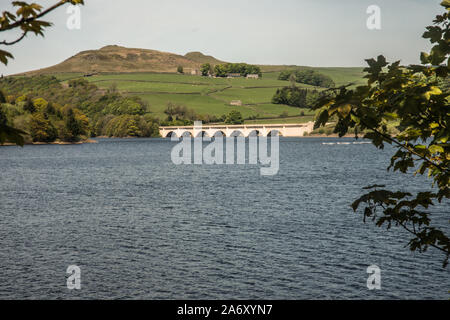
(140, 227)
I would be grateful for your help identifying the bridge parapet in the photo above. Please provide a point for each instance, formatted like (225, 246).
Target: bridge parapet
(285, 130)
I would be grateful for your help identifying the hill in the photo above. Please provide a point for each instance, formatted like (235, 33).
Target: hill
(201, 58)
(117, 59)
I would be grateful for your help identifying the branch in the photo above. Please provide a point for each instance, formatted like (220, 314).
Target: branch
(15, 41)
(414, 233)
(43, 13)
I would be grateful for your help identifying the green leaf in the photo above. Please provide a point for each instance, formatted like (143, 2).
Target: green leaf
(4, 55)
(424, 58)
(433, 91)
(322, 119)
(435, 149)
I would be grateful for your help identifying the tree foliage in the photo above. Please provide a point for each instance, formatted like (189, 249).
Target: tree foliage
(291, 96)
(37, 105)
(234, 117)
(206, 69)
(222, 70)
(307, 76)
(296, 97)
(411, 98)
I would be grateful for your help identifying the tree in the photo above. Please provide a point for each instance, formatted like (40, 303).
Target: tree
(410, 97)
(234, 117)
(206, 69)
(220, 70)
(8, 133)
(307, 76)
(2, 97)
(41, 129)
(27, 19)
(180, 69)
(292, 80)
(72, 126)
(29, 105)
(291, 96)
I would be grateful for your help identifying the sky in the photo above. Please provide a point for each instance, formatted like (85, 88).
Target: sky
(327, 33)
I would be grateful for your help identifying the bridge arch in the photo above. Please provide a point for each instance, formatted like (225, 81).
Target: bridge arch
(186, 134)
(219, 133)
(254, 133)
(202, 134)
(274, 133)
(236, 133)
(171, 134)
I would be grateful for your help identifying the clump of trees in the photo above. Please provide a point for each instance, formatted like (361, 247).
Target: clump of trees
(180, 69)
(206, 69)
(178, 115)
(296, 97)
(307, 76)
(43, 121)
(221, 70)
(127, 125)
(291, 96)
(234, 117)
(46, 111)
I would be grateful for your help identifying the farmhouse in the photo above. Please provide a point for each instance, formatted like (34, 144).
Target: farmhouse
(252, 76)
(236, 103)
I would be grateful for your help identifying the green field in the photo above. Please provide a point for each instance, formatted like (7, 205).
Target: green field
(213, 95)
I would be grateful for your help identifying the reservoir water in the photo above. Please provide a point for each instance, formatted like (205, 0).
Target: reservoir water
(140, 227)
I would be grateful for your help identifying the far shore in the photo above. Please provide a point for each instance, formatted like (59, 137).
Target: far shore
(50, 143)
(130, 137)
(308, 136)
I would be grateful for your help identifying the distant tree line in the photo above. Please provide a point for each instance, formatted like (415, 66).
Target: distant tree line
(222, 70)
(307, 76)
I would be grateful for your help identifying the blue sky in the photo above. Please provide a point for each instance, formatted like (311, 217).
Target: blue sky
(301, 32)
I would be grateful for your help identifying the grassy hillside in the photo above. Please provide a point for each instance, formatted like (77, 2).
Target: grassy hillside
(202, 94)
(158, 84)
(212, 96)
